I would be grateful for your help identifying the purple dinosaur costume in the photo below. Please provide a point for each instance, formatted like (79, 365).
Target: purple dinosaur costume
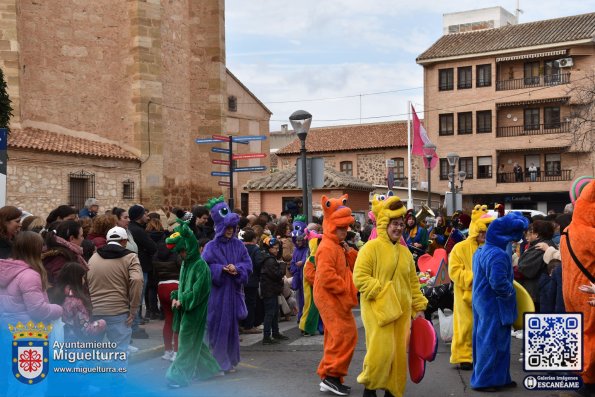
(300, 254)
(226, 302)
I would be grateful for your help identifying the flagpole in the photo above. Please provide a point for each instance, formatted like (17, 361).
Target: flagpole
(409, 198)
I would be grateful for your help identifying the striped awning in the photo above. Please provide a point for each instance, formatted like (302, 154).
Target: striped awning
(535, 149)
(531, 56)
(563, 99)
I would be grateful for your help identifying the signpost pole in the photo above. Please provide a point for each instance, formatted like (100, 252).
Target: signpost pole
(231, 194)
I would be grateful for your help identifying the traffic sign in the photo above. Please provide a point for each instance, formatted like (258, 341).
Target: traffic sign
(207, 140)
(250, 169)
(221, 138)
(244, 156)
(219, 150)
(247, 138)
(220, 162)
(219, 173)
(223, 183)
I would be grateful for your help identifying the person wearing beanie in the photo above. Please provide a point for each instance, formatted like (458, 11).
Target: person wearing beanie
(271, 286)
(146, 250)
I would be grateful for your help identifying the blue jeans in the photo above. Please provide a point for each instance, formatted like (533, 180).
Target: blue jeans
(136, 321)
(271, 316)
(116, 330)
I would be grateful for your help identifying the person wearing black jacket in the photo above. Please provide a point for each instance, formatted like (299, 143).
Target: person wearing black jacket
(271, 285)
(203, 224)
(253, 301)
(146, 250)
(531, 264)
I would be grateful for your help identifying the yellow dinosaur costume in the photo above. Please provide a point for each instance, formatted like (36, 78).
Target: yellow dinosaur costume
(310, 313)
(385, 364)
(334, 292)
(460, 265)
(581, 233)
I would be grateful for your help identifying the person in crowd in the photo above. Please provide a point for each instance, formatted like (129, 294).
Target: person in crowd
(32, 224)
(190, 302)
(551, 299)
(76, 305)
(62, 244)
(460, 270)
(251, 220)
(101, 225)
(61, 213)
(115, 284)
(156, 232)
(146, 250)
(298, 259)
(253, 300)
(578, 269)
(518, 172)
(569, 208)
(287, 299)
(494, 304)
(123, 221)
(230, 267)
(335, 295)
(204, 223)
(415, 235)
(90, 209)
(271, 285)
(10, 225)
(86, 244)
(531, 265)
(166, 265)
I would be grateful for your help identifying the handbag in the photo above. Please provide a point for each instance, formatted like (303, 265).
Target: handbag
(386, 306)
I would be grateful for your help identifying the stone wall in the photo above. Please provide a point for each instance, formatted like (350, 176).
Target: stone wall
(39, 182)
(9, 59)
(372, 168)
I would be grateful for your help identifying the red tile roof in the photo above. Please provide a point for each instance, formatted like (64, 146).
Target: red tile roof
(351, 137)
(40, 140)
(539, 33)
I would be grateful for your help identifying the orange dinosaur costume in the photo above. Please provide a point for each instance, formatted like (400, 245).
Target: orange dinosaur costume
(334, 292)
(581, 233)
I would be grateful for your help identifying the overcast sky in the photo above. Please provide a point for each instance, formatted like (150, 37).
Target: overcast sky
(304, 54)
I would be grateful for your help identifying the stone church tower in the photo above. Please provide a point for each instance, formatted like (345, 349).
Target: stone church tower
(147, 75)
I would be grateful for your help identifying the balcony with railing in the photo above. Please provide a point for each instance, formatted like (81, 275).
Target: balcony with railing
(534, 129)
(539, 176)
(530, 82)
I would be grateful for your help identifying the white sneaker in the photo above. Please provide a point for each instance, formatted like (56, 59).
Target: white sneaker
(132, 349)
(167, 355)
(173, 356)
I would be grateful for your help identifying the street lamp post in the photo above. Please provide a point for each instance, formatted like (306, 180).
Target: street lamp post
(300, 121)
(429, 151)
(452, 161)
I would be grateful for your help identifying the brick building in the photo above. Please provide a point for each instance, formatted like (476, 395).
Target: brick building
(146, 76)
(510, 95)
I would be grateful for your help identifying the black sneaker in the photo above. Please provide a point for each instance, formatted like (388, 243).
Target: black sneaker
(369, 393)
(140, 334)
(333, 385)
(280, 337)
(267, 340)
(466, 366)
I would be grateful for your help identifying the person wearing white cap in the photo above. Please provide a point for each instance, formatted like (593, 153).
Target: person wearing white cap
(115, 281)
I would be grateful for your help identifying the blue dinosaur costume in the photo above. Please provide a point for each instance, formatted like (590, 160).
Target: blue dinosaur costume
(494, 304)
(226, 304)
(194, 359)
(298, 260)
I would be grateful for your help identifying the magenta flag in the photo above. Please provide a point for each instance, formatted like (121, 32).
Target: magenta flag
(420, 138)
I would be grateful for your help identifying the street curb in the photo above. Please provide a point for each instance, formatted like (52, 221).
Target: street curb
(146, 354)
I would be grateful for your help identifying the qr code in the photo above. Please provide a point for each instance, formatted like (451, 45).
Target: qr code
(553, 342)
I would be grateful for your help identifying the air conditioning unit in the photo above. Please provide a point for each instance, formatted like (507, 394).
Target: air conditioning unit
(565, 62)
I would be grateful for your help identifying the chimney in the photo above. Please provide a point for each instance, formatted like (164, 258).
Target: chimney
(284, 128)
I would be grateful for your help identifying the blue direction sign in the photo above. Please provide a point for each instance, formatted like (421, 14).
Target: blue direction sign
(249, 138)
(220, 173)
(208, 140)
(250, 169)
(219, 150)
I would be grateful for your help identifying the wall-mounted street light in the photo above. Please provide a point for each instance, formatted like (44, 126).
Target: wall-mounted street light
(300, 121)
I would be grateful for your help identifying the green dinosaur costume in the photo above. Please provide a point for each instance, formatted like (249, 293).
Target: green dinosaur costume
(194, 359)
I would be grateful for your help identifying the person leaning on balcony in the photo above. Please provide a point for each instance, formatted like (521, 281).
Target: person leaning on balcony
(533, 172)
(501, 174)
(518, 172)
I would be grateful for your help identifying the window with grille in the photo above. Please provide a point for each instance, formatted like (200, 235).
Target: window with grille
(399, 168)
(128, 190)
(531, 119)
(81, 187)
(445, 79)
(484, 121)
(484, 167)
(551, 117)
(446, 125)
(443, 169)
(531, 73)
(464, 77)
(553, 164)
(347, 167)
(484, 75)
(465, 123)
(232, 103)
(466, 164)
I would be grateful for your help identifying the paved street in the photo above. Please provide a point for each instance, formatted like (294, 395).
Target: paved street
(289, 370)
